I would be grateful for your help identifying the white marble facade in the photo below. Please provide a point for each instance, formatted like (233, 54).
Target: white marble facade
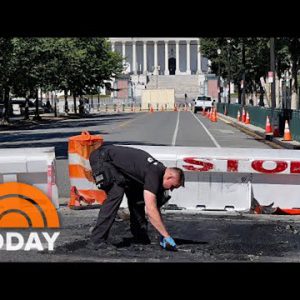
(159, 56)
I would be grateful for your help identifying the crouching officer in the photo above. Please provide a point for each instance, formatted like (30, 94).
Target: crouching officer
(144, 180)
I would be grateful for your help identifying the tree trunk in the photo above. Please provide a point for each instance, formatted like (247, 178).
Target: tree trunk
(37, 114)
(278, 93)
(267, 90)
(261, 96)
(26, 111)
(66, 101)
(294, 100)
(7, 110)
(239, 93)
(75, 107)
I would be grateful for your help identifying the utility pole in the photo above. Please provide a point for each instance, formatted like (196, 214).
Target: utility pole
(219, 71)
(272, 60)
(273, 87)
(244, 73)
(229, 71)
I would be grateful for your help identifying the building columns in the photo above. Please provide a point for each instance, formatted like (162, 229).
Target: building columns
(167, 58)
(177, 58)
(155, 58)
(188, 59)
(199, 70)
(193, 60)
(123, 53)
(134, 57)
(145, 58)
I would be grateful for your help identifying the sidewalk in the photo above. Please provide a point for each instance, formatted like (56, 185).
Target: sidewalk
(254, 130)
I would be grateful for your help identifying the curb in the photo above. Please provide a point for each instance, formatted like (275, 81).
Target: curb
(294, 145)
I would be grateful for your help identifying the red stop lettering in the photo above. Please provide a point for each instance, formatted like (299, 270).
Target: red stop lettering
(232, 165)
(295, 167)
(258, 166)
(205, 166)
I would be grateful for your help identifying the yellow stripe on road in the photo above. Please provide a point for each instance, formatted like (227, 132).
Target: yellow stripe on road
(129, 121)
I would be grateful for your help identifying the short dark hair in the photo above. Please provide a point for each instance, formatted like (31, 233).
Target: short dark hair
(180, 174)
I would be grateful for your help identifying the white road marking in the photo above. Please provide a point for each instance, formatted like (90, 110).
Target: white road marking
(209, 134)
(176, 130)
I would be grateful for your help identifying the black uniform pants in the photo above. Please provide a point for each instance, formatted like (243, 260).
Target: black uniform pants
(109, 209)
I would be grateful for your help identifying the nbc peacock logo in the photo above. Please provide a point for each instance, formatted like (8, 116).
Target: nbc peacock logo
(23, 206)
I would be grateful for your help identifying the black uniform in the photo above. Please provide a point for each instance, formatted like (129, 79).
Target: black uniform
(119, 170)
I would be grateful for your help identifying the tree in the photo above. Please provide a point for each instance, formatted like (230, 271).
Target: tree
(257, 59)
(6, 56)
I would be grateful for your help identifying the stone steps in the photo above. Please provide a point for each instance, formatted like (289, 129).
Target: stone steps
(183, 84)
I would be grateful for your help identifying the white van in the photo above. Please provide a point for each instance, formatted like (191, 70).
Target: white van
(202, 102)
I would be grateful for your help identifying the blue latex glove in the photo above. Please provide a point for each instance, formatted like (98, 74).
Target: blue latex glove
(167, 243)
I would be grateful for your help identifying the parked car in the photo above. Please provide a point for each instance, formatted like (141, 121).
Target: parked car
(202, 102)
(21, 102)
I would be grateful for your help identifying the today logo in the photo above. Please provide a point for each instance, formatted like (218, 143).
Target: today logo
(23, 206)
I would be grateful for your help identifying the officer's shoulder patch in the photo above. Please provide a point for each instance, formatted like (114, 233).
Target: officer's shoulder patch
(150, 160)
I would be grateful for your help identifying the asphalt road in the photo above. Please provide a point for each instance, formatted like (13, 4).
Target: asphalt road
(201, 237)
(142, 128)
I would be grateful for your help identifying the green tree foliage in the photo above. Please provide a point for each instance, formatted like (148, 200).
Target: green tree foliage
(79, 65)
(257, 58)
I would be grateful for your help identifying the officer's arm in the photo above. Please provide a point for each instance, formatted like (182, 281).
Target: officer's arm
(153, 213)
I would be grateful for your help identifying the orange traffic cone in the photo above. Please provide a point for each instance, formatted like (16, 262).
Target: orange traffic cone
(214, 116)
(244, 116)
(268, 129)
(247, 119)
(151, 109)
(287, 134)
(208, 114)
(239, 116)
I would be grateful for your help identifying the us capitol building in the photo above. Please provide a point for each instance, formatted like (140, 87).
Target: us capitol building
(163, 63)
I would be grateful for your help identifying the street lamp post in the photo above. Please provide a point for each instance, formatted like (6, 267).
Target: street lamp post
(272, 63)
(229, 71)
(219, 85)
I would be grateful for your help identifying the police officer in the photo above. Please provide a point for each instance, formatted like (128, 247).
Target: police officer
(144, 180)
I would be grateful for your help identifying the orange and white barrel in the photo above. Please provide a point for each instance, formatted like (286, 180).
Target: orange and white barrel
(83, 187)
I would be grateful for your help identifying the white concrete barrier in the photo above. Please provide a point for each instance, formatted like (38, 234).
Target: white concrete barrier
(227, 178)
(34, 166)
